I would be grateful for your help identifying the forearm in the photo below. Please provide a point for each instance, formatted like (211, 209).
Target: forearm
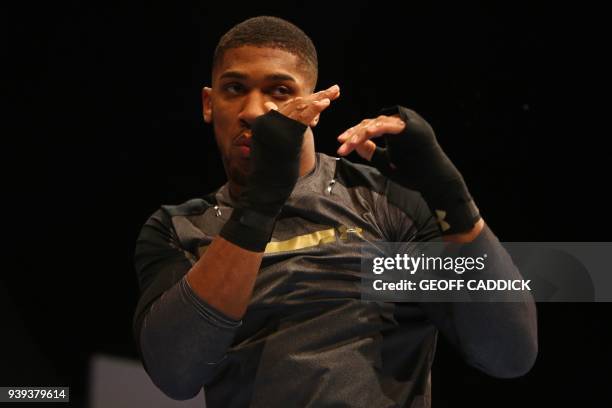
(500, 338)
(224, 277)
(468, 236)
(182, 339)
(189, 328)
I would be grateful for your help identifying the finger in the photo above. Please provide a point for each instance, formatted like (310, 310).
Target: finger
(312, 110)
(303, 103)
(351, 131)
(376, 126)
(366, 150)
(270, 106)
(331, 93)
(393, 125)
(367, 129)
(360, 136)
(296, 104)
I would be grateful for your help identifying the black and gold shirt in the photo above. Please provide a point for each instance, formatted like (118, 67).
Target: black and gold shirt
(307, 339)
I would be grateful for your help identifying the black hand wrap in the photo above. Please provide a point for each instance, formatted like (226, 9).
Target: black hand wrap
(275, 168)
(419, 163)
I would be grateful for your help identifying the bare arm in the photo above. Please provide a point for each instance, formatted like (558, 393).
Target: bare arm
(224, 276)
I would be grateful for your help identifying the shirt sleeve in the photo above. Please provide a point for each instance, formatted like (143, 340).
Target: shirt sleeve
(180, 338)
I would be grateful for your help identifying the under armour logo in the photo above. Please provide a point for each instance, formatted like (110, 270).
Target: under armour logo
(441, 215)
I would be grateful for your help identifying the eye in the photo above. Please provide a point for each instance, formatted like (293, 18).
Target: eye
(234, 88)
(281, 91)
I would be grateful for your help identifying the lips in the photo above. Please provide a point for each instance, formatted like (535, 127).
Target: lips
(245, 151)
(243, 143)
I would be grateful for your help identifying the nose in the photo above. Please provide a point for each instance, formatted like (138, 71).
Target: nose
(252, 107)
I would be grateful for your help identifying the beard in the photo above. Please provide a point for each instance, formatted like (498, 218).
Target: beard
(237, 171)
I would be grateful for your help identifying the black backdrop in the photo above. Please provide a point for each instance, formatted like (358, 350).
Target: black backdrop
(103, 126)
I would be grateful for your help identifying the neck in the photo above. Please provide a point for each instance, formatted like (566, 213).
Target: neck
(308, 162)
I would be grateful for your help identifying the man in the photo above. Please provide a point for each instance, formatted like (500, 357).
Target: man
(252, 292)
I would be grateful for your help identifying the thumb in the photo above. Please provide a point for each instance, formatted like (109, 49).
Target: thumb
(366, 150)
(314, 122)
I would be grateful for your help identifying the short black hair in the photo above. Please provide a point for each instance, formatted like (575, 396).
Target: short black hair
(273, 32)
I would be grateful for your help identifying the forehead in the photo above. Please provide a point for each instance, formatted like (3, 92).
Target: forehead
(256, 62)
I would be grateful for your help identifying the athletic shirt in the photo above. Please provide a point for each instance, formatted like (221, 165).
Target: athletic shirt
(307, 339)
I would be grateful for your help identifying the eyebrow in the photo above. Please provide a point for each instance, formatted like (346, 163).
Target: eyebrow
(270, 77)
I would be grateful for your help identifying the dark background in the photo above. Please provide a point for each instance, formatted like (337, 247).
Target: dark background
(103, 126)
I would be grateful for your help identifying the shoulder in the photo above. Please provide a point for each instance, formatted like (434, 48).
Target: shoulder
(191, 207)
(175, 222)
(194, 206)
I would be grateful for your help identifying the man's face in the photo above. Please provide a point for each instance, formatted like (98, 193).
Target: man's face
(242, 82)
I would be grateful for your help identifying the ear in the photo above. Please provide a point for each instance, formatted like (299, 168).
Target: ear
(207, 104)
